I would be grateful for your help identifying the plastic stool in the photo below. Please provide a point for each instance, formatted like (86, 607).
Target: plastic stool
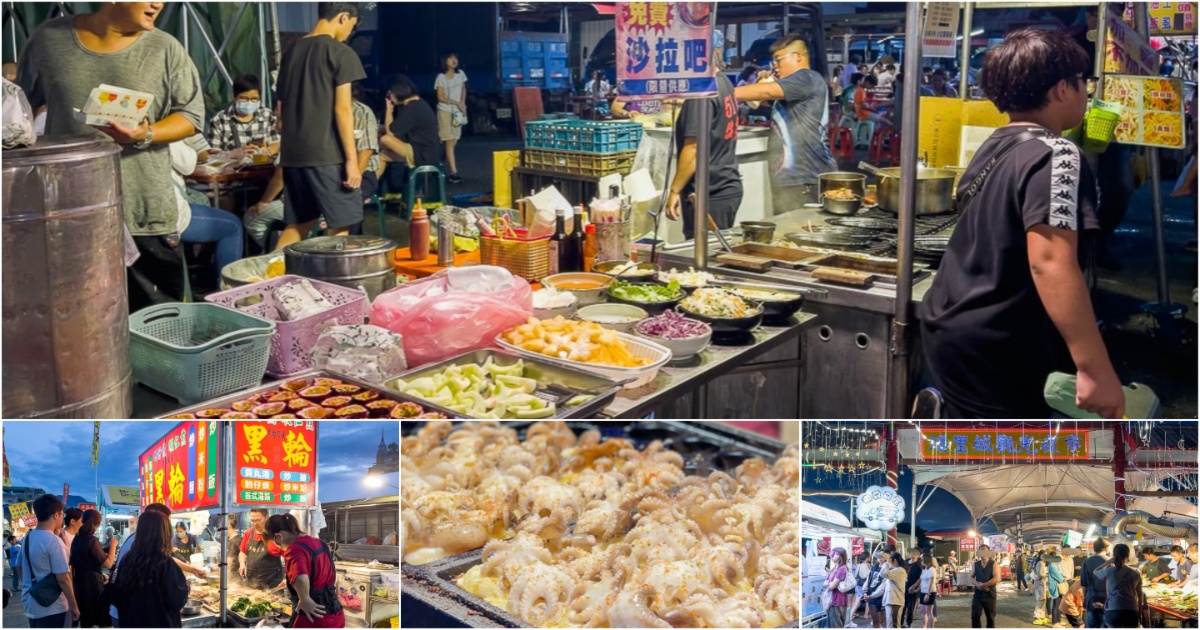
(894, 148)
(859, 139)
(881, 142)
(410, 195)
(841, 143)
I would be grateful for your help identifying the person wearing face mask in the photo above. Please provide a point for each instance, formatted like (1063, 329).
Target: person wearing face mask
(245, 123)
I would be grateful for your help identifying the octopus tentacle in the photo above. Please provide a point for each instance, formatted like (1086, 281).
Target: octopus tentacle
(631, 610)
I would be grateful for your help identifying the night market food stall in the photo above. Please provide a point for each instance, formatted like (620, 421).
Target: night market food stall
(206, 470)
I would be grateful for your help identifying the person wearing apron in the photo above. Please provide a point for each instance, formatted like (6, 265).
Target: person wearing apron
(261, 566)
(311, 575)
(184, 543)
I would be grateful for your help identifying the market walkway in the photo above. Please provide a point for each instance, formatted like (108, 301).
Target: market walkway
(1013, 610)
(14, 613)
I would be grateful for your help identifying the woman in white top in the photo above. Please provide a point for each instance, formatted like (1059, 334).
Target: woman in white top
(891, 590)
(929, 585)
(451, 86)
(862, 571)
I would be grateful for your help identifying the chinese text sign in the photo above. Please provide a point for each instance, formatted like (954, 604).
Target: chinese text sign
(183, 469)
(275, 463)
(975, 444)
(663, 50)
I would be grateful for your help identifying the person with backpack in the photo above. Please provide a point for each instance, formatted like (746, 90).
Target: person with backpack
(48, 594)
(312, 575)
(875, 602)
(1095, 589)
(1010, 303)
(890, 590)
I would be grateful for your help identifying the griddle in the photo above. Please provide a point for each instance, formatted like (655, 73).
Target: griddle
(428, 593)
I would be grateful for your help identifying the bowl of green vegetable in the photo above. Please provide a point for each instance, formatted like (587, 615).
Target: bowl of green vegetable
(653, 297)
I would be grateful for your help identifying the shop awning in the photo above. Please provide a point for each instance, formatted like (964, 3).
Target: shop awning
(817, 521)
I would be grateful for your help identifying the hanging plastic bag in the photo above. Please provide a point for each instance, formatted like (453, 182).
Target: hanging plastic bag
(18, 117)
(453, 311)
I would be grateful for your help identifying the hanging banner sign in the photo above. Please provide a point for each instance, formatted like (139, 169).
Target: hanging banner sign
(1172, 18)
(997, 543)
(1152, 112)
(1127, 52)
(183, 469)
(966, 544)
(275, 463)
(880, 508)
(18, 511)
(1073, 538)
(984, 444)
(663, 50)
(86, 506)
(121, 496)
(941, 29)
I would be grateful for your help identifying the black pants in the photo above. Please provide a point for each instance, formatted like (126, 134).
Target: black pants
(49, 621)
(1120, 619)
(723, 210)
(983, 602)
(157, 276)
(1095, 617)
(1021, 581)
(1055, 613)
(1075, 622)
(910, 604)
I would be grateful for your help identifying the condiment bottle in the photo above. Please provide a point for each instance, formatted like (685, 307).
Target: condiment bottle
(418, 233)
(557, 243)
(575, 238)
(589, 247)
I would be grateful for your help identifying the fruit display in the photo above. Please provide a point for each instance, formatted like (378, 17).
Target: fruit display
(481, 391)
(572, 340)
(319, 398)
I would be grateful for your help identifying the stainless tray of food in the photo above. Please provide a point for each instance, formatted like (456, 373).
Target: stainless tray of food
(573, 393)
(346, 397)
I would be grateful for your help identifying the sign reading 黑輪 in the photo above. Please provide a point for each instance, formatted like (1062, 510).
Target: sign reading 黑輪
(663, 50)
(984, 444)
(182, 470)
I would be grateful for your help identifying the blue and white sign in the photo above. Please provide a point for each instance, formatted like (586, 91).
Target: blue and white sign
(880, 508)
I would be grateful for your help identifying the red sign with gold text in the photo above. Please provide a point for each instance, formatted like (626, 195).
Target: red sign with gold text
(275, 463)
(183, 469)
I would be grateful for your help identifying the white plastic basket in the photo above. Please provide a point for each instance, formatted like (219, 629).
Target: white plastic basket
(639, 348)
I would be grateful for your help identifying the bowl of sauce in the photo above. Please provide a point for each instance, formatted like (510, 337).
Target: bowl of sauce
(588, 288)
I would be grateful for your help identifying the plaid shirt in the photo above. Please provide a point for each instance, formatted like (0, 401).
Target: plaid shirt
(226, 132)
(366, 133)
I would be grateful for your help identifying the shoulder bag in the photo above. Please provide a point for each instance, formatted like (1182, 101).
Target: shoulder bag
(45, 591)
(848, 583)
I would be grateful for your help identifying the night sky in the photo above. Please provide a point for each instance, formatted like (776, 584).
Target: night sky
(943, 511)
(45, 454)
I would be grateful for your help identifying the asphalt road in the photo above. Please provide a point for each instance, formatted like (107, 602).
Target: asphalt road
(1013, 610)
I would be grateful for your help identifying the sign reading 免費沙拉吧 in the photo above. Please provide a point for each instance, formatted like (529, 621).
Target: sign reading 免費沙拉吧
(663, 50)
(1006, 444)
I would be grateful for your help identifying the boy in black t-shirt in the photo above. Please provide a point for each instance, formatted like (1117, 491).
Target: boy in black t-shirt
(321, 175)
(1009, 304)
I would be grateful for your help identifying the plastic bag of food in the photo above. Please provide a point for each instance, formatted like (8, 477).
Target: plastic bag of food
(453, 311)
(18, 117)
(367, 353)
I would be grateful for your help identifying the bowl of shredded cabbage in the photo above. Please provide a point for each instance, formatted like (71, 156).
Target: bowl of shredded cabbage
(724, 311)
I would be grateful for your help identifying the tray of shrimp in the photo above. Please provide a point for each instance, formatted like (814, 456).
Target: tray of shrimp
(599, 524)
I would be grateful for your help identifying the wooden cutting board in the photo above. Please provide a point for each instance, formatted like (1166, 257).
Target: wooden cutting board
(744, 261)
(848, 277)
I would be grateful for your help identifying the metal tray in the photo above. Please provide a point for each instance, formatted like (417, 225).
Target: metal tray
(428, 592)
(543, 371)
(229, 399)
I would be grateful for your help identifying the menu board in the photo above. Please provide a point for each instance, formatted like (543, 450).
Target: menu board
(663, 50)
(183, 468)
(275, 463)
(1153, 110)
(1172, 18)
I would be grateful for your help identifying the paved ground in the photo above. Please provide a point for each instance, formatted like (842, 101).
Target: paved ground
(1013, 610)
(14, 613)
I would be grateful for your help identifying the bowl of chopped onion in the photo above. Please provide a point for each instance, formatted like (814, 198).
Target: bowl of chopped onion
(549, 302)
(685, 337)
(726, 312)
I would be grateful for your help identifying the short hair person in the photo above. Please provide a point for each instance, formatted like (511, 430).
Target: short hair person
(311, 575)
(1010, 304)
(259, 558)
(245, 124)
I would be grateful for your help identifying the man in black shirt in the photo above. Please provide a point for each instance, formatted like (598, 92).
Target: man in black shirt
(1157, 569)
(985, 575)
(1009, 304)
(912, 586)
(318, 154)
(724, 180)
(1095, 591)
(412, 129)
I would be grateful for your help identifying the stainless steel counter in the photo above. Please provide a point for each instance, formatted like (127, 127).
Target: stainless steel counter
(686, 389)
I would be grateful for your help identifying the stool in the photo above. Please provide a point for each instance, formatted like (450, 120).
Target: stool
(943, 588)
(841, 143)
(894, 148)
(861, 141)
(881, 142)
(410, 194)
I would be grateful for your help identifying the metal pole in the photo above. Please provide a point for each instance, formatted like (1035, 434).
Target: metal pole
(275, 46)
(226, 446)
(1118, 467)
(700, 220)
(1163, 309)
(893, 466)
(1101, 38)
(912, 522)
(964, 83)
(845, 50)
(12, 24)
(264, 69)
(898, 398)
(225, 42)
(211, 47)
(183, 21)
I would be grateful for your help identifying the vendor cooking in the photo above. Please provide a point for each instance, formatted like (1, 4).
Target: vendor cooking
(311, 575)
(260, 558)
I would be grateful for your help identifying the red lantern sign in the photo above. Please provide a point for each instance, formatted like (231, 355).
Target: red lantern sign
(183, 469)
(275, 463)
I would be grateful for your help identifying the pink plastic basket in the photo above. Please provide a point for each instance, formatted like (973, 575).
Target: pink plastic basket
(293, 340)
